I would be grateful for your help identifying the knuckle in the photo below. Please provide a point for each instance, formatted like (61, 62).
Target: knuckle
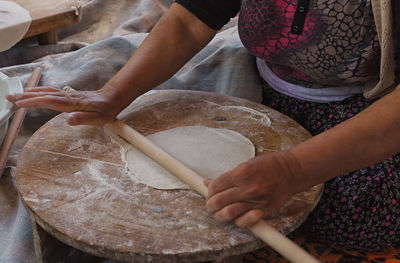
(104, 105)
(216, 203)
(243, 170)
(245, 167)
(212, 188)
(256, 191)
(230, 213)
(253, 191)
(226, 215)
(248, 219)
(81, 104)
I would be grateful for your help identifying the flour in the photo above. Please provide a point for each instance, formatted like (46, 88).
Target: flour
(85, 144)
(255, 115)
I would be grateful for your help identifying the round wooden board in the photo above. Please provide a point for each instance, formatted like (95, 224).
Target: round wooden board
(73, 182)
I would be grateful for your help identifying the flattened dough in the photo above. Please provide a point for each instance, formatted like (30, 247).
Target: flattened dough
(208, 151)
(14, 23)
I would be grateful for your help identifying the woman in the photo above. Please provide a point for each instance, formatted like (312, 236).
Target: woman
(317, 57)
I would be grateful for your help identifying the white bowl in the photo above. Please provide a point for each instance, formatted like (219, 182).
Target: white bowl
(7, 86)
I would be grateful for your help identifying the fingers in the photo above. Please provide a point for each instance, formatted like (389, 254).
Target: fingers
(230, 205)
(248, 192)
(229, 179)
(21, 96)
(41, 89)
(88, 118)
(32, 92)
(241, 195)
(48, 101)
(232, 211)
(85, 107)
(59, 101)
(222, 199)
(243, 213)
(250, 218)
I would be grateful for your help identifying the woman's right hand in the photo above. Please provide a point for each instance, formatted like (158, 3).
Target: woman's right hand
(84, 107)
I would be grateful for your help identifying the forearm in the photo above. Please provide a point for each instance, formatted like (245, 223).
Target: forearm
(174, 40)
(367, 138)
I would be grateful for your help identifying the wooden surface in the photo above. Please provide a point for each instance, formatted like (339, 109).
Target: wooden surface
(72, 181)
(50, 15)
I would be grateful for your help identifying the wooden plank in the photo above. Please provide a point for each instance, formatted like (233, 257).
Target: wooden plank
(50, 15)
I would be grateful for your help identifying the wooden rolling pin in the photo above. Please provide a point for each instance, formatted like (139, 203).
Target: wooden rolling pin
(262, 230)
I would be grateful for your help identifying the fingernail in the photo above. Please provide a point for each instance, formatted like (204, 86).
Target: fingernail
(71, 119)
(207, 182)
(14, 96)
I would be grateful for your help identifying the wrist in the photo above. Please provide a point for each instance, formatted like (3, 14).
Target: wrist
(296, 178)
(115, 98)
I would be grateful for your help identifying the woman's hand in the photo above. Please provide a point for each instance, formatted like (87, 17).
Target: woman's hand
(174, 40)
(84, 107)
(253, 189)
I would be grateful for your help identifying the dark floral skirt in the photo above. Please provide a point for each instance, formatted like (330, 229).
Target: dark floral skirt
(359, 210)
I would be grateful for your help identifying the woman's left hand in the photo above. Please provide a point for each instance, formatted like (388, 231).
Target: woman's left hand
(253, 189)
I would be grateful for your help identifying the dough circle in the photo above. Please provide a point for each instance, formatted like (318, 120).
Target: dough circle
(14, 23)
(208, 151)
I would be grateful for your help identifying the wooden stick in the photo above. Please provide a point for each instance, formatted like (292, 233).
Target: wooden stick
(16, 123)
(262, 230)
